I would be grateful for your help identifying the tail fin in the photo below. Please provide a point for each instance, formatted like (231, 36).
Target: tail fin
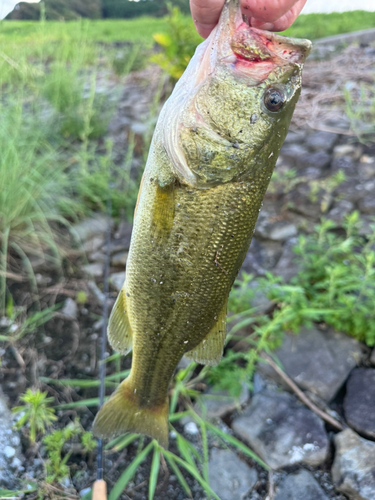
(122, 413)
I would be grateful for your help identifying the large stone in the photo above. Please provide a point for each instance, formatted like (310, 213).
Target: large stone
(10, 449)
(367, 204)
(318, 360)
(94, 270)
(267, 228)
(70, 308)
(119, 259)
(319, 159)
(282, 431)
(230, 478)
(301, 201)
(359, 403)
(340, 210)
(287, 267)
(117, 280)
(91, 227)
(218, 403)
(254, 262)
(300, 486)
(353, 470)
(321, 141)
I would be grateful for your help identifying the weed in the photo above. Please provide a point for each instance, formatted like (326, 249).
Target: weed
(35, 412)
(178, 45)
(360, 109)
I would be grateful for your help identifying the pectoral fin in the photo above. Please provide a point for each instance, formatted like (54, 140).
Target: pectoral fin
(119, 330)
(210, 350)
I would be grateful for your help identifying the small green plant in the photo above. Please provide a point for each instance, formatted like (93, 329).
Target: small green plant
(335, 285)
(360, 109)
(178, 45)
(36, 412)
(57, 463)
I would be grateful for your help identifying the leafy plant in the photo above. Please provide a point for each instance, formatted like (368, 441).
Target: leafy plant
(335, 285)
(177, 46)
(56, 465)
(35, 412)
(360, 109)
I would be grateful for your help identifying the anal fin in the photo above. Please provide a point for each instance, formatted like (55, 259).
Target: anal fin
(119, 330)
(210, 350)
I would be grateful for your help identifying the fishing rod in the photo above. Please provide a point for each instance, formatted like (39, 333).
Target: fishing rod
(99, 490)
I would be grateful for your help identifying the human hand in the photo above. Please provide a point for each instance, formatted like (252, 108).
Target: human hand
(270, 15)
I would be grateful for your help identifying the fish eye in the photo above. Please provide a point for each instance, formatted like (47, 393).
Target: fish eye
(274, 99)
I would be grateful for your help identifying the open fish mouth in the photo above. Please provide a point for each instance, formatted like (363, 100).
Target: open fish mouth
(253, 45)
(252, 51)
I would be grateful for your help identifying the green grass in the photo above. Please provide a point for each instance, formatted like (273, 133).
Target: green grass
(314, 26)
(141, 29)
(107, 31)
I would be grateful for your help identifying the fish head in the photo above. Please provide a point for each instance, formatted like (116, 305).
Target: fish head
(230, 111)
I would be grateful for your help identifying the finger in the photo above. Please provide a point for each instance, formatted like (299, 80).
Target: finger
(206, 15)
(267, 11)
(284, 22)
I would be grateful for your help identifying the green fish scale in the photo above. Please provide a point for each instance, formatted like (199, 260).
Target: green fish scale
(179, 277)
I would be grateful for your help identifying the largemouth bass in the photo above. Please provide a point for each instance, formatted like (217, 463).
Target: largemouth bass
(211, 159)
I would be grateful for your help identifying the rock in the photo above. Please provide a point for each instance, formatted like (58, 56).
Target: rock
(279, 230)
(97, 257)
(282, 431)
(359, 402)
(70, 308)
(95, 290)
(352, 151)
(123, 234)
(10, 448)
(91, 246)
(287, 267)
(292, 152)
(367, 204)
(301, 201)
(217, 404)
(294, 137)
(117, 280)
(300, 486)
(372, 359)
(340, 210)
(319, 160)
(321, 141)
(119, 259)
(191, 429)
(229, 477)
(94, 270)
(353, 470)
(252, 263)
(91, 228)
(344, 163)
(318, 360)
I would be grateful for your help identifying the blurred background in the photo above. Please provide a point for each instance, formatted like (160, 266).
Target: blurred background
(82, 83)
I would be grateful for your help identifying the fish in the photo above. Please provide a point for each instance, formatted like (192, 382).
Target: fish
(212, 155)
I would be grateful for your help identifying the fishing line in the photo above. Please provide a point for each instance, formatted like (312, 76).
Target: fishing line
(99, 488)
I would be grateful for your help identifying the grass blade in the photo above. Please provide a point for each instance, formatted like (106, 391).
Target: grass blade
(129, 472)
(154, 472)
(81, 383)
(193, 471)
(78, 404)
(179, 475)
(121, 442)
(235, 442)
